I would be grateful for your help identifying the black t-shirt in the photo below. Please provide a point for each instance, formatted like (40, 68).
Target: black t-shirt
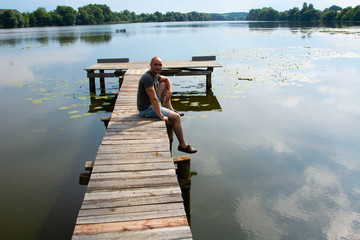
(147, 80)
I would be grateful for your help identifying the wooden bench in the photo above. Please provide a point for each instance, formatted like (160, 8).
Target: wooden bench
(102, 75)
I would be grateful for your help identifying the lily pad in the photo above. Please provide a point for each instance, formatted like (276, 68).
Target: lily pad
(73, 112)
(63, 108)
(76, 116)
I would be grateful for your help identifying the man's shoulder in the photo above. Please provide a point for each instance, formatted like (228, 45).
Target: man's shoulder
(147, 75)
(147, 79)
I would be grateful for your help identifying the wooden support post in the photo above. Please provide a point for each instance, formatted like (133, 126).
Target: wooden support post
(84, 178)
(183, 174)
(89, 165)
(208, 78)
(102, 82)
(92, 87)
(106, 121)
(183, 166)
(170, 132)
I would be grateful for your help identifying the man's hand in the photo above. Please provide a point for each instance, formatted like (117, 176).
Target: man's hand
(163, 118)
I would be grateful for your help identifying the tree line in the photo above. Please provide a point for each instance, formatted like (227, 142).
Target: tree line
(89, 15)
(101, 14)
(307, 14)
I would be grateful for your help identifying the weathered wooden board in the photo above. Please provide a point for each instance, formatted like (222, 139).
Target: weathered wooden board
(123, 202)
(131, 209)
(134, 66)
(96, 228)
(96, 195)
(182, 232)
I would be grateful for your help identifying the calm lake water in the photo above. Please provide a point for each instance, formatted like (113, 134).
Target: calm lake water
(278, 135)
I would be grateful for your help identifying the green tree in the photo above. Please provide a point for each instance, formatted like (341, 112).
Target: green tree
(64, 15)
(294, 14)
(41, 17)
(26, 16)
(8, 19)
(253, 14)
(90, 14)
(159, 16)
(152, 18)
(328, 15)
(268, 14)
(308, 13)
(12, 19)
(169, 17)
(335, 8)
(356, 17)
(348, 16)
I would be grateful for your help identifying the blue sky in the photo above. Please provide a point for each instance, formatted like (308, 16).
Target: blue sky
(151, 6)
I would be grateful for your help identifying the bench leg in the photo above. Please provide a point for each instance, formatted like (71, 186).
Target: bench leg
(92, 87)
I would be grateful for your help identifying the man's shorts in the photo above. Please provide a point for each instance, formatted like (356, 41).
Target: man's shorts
(150, 112)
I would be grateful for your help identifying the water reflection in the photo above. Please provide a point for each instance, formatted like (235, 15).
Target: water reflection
(196, 101)
(104, 102)
(280, 161)
(105, 34)
(64, 36)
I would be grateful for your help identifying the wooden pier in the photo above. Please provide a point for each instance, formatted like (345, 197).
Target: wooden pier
(133, 192)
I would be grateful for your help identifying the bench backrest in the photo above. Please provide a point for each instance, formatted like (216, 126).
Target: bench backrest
(113, 60)
(203, 58)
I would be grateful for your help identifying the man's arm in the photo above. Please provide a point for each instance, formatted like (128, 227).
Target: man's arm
(155, 102)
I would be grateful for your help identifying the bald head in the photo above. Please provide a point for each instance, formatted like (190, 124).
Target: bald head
(155, 59)
(155, 65)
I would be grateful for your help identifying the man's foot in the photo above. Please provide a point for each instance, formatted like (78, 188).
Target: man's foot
(181, 114)
(188, 149)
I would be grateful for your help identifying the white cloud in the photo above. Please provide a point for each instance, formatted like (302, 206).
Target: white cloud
(19, 68)
(292, 102)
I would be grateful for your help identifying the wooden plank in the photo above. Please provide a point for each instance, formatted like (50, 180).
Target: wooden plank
(113, 161)
(181, 159)
(121, 157)
(136, 201)
(133, 183)
(145, 65)
(137, 149)
(101, 75)
(131, 209)
(130, 225)
(133, 167)
(176, 232)
(113, 60)
(124, 217)
(150, 230)
(132, 174)
(97, 195)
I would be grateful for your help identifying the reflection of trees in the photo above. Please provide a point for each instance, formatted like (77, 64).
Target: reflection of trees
(63, 39)
(272, 25)
(66, 40)
(44, 40)
(10, 42)
(96, 39)
(104, 102)
(196, 101)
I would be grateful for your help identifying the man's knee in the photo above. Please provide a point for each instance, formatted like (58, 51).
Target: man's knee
(162, 85)
(174, 117)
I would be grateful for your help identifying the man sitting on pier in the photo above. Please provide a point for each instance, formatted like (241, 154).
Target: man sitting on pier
(154, 88)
